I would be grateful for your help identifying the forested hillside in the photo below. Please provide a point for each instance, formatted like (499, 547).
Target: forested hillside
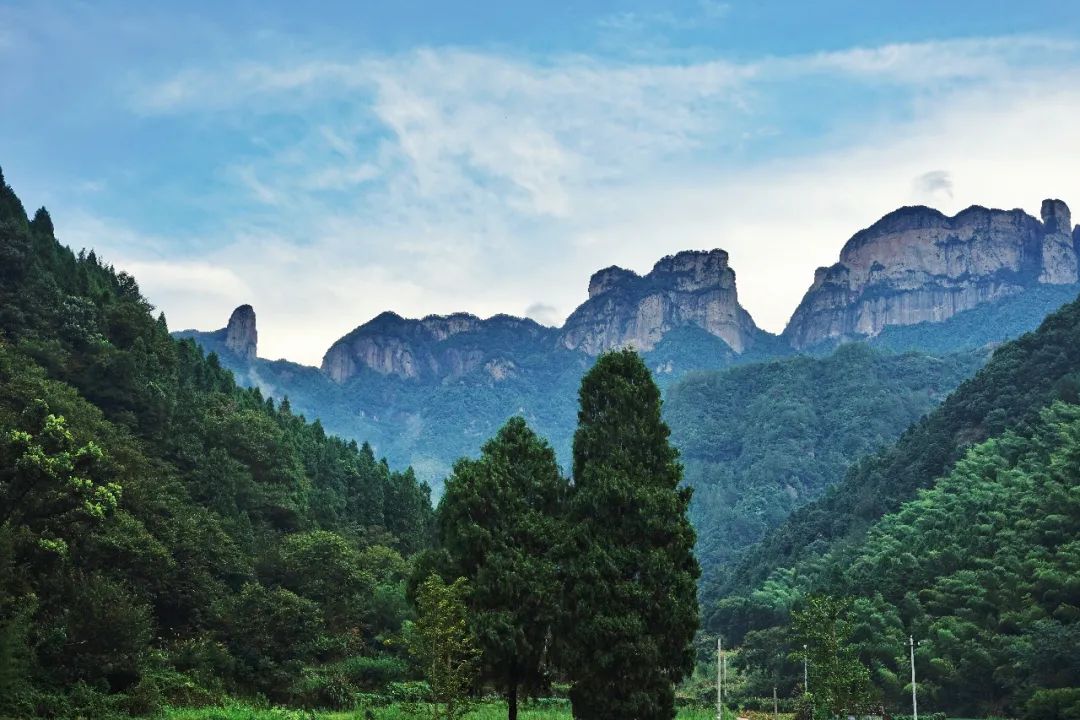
(1021, 378)
(983, 568)
(980, 567)
(166, 535)
(761, 440)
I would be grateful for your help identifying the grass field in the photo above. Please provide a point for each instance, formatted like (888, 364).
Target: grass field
(484, 711)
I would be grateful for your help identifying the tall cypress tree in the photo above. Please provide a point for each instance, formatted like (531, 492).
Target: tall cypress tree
(630, 595)
(499, 522)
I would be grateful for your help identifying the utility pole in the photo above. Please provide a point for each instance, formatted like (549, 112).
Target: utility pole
(806, 673)
(719, 678)
(914, 698)
(775, 705)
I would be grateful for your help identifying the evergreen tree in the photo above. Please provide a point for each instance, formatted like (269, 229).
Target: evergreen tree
(444, 646)
(499, 522)
(631, 605)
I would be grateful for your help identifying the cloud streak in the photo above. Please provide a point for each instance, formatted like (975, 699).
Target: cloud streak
(450, 179)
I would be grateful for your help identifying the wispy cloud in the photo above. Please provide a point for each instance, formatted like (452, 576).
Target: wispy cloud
(449, 179)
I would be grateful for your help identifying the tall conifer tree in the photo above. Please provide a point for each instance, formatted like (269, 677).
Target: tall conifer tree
(630, 595)
(499, 522)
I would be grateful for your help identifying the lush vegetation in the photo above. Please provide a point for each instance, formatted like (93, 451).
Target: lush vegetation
(1021, 378)
(170, 538)
(593, 582)
(501, 524)
(980, 565)
(167, 536)
(761, 440)
(630, 577)
(983, 569)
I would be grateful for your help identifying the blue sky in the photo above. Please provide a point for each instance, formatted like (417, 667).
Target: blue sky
(327, 161)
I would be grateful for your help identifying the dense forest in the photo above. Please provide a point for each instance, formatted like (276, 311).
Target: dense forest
(962, 534)
(169, 538)
(760, 440)
(166, 534)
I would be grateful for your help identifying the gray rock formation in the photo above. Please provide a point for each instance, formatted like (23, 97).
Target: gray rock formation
(917, 265)
(438, 347)
(625, 309)
(241, 336)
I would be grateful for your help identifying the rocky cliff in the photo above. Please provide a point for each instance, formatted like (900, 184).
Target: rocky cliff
(236, 344)
(241, 336)
(692, 288)
(437, 347)
(918, 265)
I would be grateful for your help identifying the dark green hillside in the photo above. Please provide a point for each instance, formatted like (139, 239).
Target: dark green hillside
(1021, 378)
(761, 440)
(983, 569)
(983, 326)
(165, 535)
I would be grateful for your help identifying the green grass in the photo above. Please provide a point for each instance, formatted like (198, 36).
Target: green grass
(484, 711)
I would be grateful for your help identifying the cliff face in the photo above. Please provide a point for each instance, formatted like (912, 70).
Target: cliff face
(692, 288)
(241, 336)
(437, 347)
(917, 265)
(236, 344)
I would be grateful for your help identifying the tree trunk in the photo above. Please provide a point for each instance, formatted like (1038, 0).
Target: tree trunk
(512, 700)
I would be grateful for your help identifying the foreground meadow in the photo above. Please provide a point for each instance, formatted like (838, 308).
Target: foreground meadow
(484, 711)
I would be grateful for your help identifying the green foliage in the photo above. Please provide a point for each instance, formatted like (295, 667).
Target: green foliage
(1057, 704)
(1020, 379)
(822, 633)
(500, 523)
(443, 644)
(762, 440)
(982, 568)
(165, 535)
(631, 605)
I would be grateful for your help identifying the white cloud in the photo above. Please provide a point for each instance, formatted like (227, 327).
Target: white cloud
(544, 314)
(445, 180)
(933, 185)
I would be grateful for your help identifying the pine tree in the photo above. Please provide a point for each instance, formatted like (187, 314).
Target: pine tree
(499, 521)
(631, 603)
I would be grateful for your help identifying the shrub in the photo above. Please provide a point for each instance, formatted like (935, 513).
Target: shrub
(373, 673)
(1058, 704)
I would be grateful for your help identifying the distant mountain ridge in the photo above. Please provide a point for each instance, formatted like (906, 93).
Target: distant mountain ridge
(913, 267)
(692, 289)
(918, 265)
(427, 391)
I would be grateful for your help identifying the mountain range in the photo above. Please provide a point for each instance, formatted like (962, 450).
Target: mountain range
(915, 280)
(766, 423)
(171, 538)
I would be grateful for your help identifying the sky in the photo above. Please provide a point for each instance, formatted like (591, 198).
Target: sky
(328, 161)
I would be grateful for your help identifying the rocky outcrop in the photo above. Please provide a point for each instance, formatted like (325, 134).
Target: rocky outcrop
(241, 335)
(625, 309)
(435, 348)
(236, 345)
(917, 265)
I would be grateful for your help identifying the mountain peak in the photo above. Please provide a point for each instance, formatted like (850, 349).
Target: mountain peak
(918, 265)
(690, 288)
(241, 335)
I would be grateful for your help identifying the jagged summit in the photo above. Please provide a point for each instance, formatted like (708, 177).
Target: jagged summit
(241, 335)
(238, 340)
(917, 264)
(390, 344)
(690, 288)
